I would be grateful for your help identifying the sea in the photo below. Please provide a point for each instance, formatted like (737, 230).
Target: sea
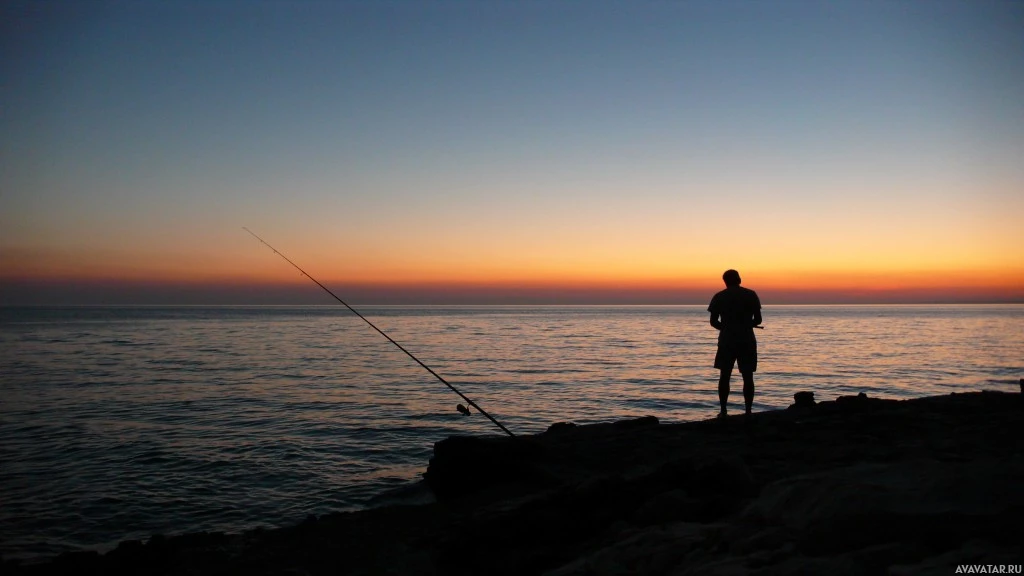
(117, 423)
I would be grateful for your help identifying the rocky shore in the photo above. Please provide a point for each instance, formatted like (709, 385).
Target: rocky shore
(857, 485)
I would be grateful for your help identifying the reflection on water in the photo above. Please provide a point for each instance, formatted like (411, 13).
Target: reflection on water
(121, 422)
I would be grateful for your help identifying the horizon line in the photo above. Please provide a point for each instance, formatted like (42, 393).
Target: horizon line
(131, 292)
(507, 305)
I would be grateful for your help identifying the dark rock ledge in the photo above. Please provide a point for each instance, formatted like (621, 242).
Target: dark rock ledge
(853, 486)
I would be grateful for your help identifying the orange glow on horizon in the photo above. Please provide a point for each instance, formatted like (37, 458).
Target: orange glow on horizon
(646, 280)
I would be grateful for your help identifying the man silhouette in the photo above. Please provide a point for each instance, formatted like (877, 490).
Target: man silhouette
(734, 312)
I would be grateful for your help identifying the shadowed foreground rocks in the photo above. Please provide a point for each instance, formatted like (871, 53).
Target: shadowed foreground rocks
(852, 486)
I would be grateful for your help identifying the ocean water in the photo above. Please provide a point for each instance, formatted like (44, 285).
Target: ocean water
(117, 423)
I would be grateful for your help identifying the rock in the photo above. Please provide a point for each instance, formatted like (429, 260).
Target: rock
(928, 503)
(463, 465)
(727, 476)
(655, 550)
(197, 539)
(560, 427)
(129, 545)
(974, 552)
(84, 561)
(803, 400)
(130, 549)
(672, 506)
(861, 486)
(129, 557)
(859, 401)
(636, 422)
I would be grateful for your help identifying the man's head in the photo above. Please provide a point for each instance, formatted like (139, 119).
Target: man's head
(731, 278)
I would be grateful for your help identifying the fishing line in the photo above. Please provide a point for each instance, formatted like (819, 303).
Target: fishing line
(400, 347)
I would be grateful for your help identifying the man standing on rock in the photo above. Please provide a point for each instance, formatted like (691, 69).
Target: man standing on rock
(735, 312)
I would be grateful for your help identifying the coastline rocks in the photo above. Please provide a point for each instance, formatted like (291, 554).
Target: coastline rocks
(464, 465)
(860, 400)
(853, 486)
(803, 400)
(636, 422)
(925, 502)
(560, 428)
(726, 476)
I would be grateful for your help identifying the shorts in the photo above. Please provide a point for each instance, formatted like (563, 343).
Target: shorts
(742, 353)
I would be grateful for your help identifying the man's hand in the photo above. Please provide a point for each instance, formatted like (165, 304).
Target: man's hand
(715, 322)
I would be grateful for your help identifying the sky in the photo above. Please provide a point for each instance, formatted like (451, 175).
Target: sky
(511, 152)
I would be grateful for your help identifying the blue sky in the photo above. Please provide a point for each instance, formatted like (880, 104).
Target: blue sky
(432, 140)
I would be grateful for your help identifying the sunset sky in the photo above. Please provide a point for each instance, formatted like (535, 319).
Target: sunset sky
(511, 152)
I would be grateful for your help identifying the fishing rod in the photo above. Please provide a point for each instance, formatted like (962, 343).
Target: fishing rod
(400, 347)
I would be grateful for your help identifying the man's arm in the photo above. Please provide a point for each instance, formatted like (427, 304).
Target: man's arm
(715, 322)
(757, 310)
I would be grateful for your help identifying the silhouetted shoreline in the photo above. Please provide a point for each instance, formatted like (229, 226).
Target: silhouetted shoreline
(852, 486)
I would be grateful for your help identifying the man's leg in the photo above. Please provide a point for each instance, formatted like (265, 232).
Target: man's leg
(723, 387)
(748, 390)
